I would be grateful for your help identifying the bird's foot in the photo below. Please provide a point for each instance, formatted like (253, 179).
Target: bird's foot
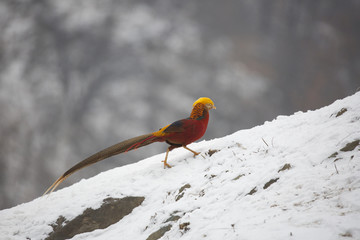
(166, 165)
(196, 153)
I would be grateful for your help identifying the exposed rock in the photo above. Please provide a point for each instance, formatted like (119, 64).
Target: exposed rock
(184, 226)
(173, 218)
(254, 190)
(238, 177)
(350, 146)
(333, 155)
(269, 183)
(159, 233)
(341, 112)
(181, 192)
(111, 211)
(286, 166)
(212, 151)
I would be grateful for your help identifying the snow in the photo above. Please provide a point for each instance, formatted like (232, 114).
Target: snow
(316, 198)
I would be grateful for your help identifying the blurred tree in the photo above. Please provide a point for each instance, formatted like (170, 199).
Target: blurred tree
(78, 76)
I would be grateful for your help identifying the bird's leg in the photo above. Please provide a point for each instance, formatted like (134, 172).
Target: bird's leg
(195, 153)
(166, 165)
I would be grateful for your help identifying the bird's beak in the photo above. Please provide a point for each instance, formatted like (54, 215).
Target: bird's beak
(210, 106)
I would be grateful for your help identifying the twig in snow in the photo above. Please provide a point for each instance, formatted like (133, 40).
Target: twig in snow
(265, 142)
(336, 169)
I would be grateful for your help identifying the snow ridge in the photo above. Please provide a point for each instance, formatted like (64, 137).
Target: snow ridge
(296, 177)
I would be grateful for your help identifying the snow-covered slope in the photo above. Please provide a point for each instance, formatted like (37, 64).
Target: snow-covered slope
(296, 177)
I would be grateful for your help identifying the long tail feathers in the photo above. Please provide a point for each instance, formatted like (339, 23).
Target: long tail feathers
(125, 146)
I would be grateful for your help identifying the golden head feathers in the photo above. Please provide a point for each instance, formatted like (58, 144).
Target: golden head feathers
(206, 101)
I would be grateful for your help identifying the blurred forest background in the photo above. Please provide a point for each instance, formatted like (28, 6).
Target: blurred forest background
(78, 76)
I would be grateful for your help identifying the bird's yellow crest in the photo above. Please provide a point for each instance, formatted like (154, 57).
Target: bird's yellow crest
(205, 101)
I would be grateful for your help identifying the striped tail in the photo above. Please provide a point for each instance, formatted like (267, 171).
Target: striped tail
(121, 147)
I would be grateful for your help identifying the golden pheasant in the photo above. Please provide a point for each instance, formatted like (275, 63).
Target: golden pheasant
(177, 134)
